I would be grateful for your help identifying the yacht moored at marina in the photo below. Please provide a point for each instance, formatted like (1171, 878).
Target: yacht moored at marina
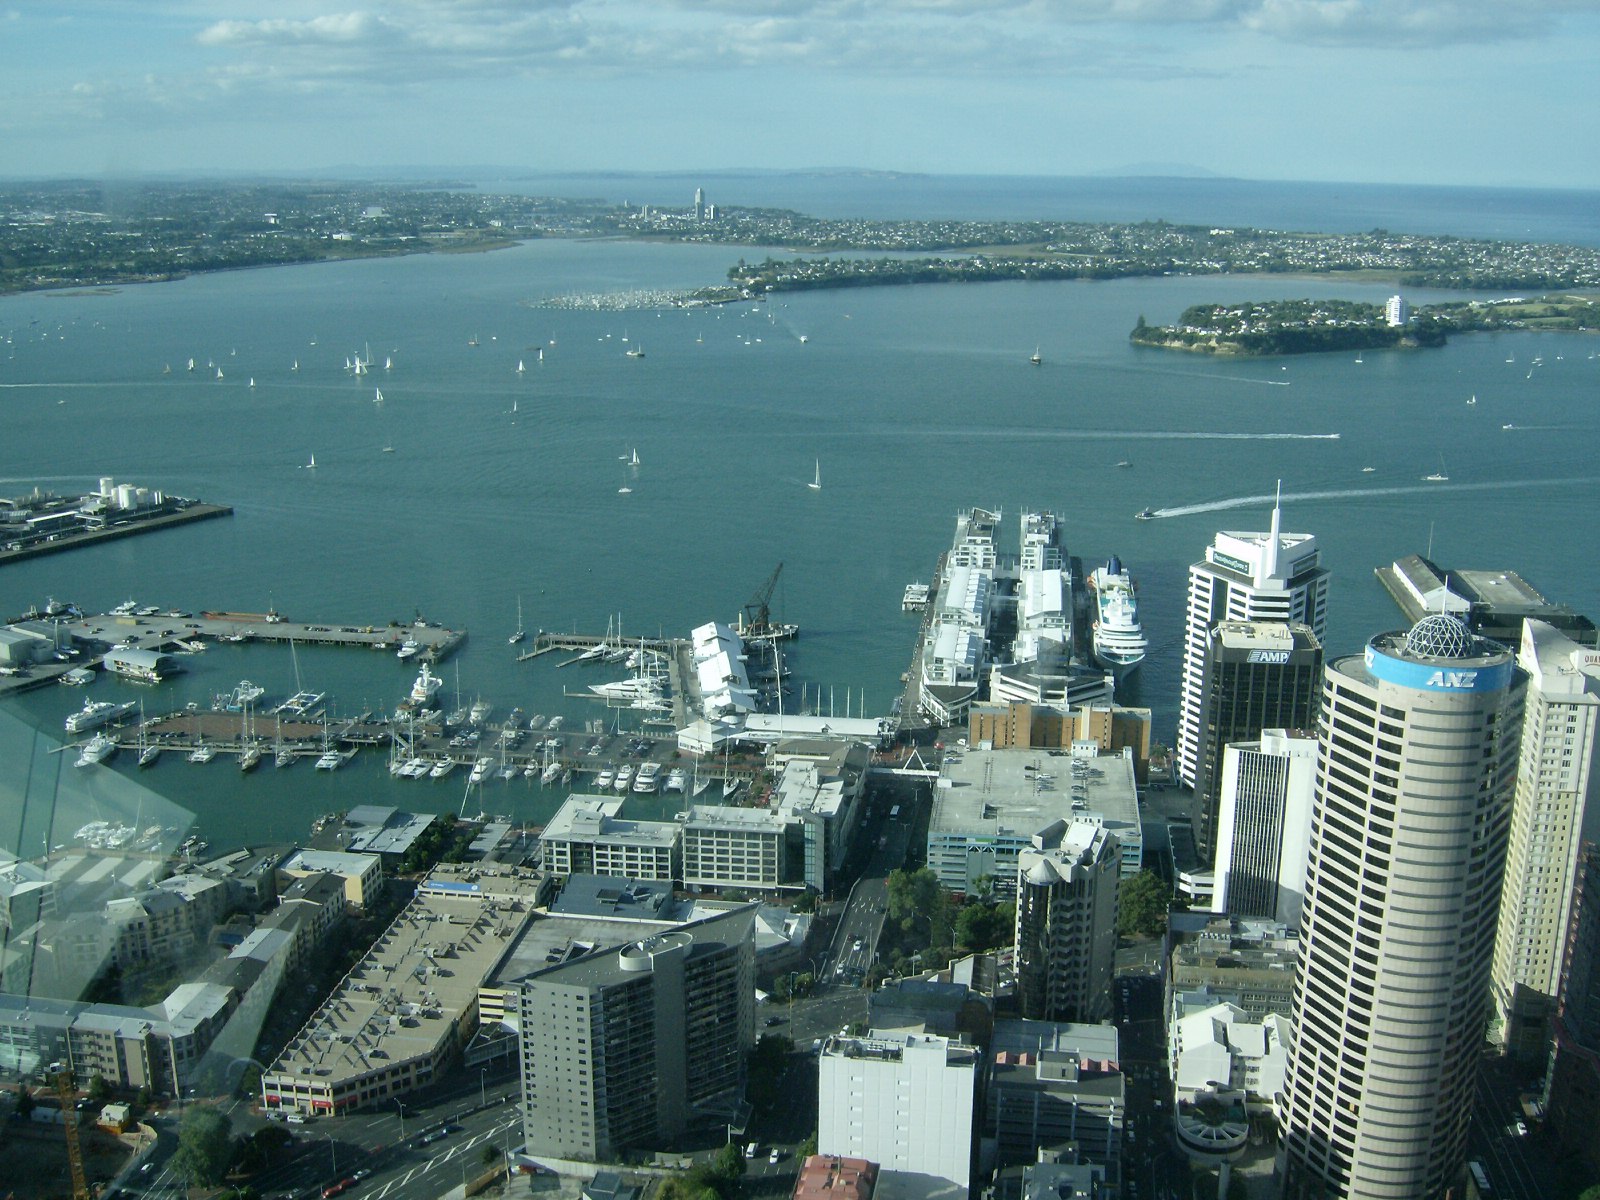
(649, 777)
(1119, 641)
(96, 713)
(96, 749)
(481, 769)
(203, 753)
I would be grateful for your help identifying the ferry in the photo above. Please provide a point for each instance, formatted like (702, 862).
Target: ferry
(96, 713)
(1119, 641)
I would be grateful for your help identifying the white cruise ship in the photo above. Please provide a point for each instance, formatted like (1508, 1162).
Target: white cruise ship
(1119, 642)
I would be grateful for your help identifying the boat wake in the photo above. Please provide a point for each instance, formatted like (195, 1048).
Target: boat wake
(1187, 510)
(1113, 435)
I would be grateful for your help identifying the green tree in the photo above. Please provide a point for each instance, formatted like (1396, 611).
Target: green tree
(205, 1146)
(99, 1089)
(728, 1166)
(490, 1155)
(806, 901)
(1142, 904)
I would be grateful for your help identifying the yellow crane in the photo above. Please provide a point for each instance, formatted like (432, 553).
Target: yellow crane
(67, 1089)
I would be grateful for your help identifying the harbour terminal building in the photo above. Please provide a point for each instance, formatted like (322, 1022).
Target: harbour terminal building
(1002, 627)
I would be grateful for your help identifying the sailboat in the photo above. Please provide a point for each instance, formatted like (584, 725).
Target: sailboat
(148, 750)
(1472, 399)
(377, 395)
(387, 362)
(1438, 476)
(521, 633)
(1036, 358)
(634, 461)
(635, 350)
(295, 365)
(816, 483)
(252, 381)
(520, 367)
(312, 465)
(219, 372)
(191, 364)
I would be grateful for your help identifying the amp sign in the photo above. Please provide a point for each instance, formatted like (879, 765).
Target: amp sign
(1270, 657)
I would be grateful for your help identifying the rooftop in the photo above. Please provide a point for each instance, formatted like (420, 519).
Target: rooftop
(1017, 792)
(585, 817)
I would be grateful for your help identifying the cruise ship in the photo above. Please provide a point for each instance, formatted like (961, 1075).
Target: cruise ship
(1119, 642)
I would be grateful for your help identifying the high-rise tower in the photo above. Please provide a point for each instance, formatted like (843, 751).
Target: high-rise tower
(1416, 763)
(1272, 576)
(1552, 813)
(1255, 675)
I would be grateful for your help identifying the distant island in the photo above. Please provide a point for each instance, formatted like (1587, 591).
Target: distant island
(76, 234)
(1263, 328)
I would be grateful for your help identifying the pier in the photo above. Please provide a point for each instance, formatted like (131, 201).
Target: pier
(73, 539)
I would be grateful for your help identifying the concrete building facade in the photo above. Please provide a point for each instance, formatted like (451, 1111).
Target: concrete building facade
(905, 1101)
(1264, 826)
(1255, 675)
(1066, 931)
(1553, 813)
(628, 1045)
(1416, 766)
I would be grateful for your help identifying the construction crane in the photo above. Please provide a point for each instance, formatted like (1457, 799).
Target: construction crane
(67, 1089)
(755, 624)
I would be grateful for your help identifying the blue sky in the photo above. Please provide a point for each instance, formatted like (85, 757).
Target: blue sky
(1412, 91)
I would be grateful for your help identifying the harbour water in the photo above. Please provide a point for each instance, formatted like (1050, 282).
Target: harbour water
(470, 484)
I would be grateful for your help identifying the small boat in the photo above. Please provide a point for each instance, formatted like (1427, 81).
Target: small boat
(219, 372)
(96, 750)
(283, 758)
(1472, 399)
(249, 758)
(203, 753)
(816, 480)
(387, 362)
(634, 351)
(312, 465)
(520, 367)
(634, 460)
(408, 648)
(377, 395)
(520, 633)
(1358, 357)
(149, 754)
(676, 779)
(1145, 514)
(295, 365)
(1124, 463)
(252, 381)
(191, 364)
(1508, 425)
(1368, 470)
(473, 340)
(442, 768)
(1438, 476)
(1036, 358)
(605, 779)
(508, 772)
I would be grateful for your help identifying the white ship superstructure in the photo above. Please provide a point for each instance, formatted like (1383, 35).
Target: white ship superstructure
(1119, 641)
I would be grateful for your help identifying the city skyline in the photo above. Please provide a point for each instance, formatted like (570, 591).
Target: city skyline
(1295, 89)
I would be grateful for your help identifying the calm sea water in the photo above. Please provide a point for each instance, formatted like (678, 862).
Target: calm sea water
(916, 402)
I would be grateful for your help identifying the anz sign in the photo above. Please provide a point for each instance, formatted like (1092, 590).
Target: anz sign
(1430, 677)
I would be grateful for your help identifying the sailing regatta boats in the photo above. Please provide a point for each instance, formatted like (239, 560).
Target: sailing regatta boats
(520, 367)
(816, 483)
(191, 364)
(295, 365)
(252, 381)
(377, 395)
(521, 633)
(219, 372)
(312, 465)
(1036, 358)
(634, 461)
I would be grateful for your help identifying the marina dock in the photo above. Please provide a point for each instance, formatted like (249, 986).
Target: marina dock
(76, 538)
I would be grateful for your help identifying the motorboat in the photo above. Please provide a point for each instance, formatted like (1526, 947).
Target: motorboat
(96, 713)
(1145, 514)
(330, 760)
(96, 750)
(676, 778)
(624, 777)
(442, 768)
(480, 770)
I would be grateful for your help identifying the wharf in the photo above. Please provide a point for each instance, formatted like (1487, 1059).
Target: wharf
(166, 631)
(129, 528)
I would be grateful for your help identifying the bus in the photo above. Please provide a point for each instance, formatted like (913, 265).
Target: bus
(1480, 1177)
(894, 813)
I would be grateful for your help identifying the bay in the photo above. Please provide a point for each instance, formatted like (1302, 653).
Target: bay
(917, 402)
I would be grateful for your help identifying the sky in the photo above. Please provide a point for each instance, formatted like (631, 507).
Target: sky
(1471, 92)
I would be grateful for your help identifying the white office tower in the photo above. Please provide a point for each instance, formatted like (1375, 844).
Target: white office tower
(904, 1101)
(1067, 921)
(1415, 769)
(1272, 576)
(1264, 826)
(1552, 813)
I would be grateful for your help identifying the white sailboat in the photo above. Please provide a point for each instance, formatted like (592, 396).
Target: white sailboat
(312, 465)
(377, 395)
(634, 461)
(520, 367)
(816, 483)
(295, 366)
(521, 633)
(1438, 476)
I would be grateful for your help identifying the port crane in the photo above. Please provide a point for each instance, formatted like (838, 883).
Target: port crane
(755, 623)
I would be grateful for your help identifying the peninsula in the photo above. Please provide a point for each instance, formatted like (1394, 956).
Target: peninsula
(1259, 329)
